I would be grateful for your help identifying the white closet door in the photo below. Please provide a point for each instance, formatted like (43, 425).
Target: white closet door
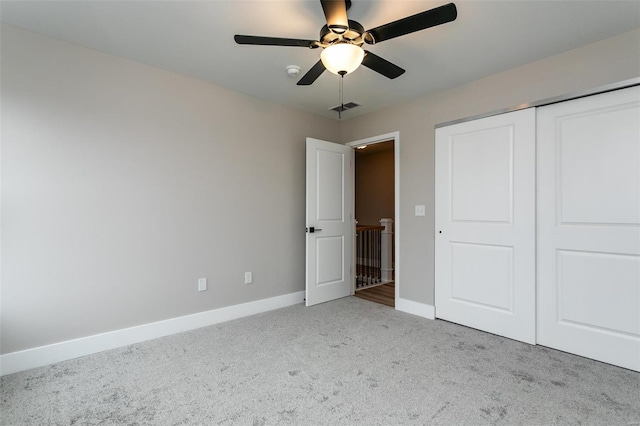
(589, 227)
(485, 224)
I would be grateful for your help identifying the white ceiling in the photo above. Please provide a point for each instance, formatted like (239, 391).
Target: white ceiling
(195, 38)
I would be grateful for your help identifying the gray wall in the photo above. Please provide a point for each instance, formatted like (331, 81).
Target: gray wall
(122, 184)
(594, 65)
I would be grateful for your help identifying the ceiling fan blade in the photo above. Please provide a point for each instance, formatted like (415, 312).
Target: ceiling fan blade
(410, 24)
(381, 66)
(336, 13)
(273, 41)
(312, 75)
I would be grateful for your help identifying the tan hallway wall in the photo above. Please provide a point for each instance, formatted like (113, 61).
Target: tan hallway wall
(374, 183)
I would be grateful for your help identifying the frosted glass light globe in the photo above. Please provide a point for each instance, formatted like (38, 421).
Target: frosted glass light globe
(342, 58)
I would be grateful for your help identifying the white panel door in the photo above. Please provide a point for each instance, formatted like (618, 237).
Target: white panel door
(330, 223)
(485, 224)
(589, 227)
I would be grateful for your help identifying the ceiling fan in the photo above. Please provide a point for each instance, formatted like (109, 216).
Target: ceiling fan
(341, 40)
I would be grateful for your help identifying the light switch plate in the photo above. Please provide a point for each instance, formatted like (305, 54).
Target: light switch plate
(420, 210)
(248, 277)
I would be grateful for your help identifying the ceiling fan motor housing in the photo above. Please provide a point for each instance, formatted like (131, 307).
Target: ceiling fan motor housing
(352, 36)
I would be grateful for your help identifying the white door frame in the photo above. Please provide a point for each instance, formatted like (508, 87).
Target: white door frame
(395, 137)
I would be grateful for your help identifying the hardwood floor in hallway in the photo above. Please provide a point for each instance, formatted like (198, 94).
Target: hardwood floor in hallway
(384, 294)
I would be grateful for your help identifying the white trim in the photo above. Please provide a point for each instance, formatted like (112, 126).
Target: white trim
(375, 139)
(44, 355)
(415, 308)
(395, 136)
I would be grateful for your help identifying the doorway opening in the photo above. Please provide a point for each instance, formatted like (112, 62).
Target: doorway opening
(376, 205)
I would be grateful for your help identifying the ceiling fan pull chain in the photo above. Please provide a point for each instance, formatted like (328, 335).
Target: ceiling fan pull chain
(341, 98)
(341, 93)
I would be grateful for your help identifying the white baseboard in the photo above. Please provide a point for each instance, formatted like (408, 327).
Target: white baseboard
(415, 308)
(49, 354)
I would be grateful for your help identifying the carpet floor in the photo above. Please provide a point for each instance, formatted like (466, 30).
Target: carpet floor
(345, 362)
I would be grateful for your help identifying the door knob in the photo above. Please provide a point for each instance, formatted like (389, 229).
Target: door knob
(312, 230)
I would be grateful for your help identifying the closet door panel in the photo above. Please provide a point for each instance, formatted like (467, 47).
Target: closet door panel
(588, 167)
(485, 224)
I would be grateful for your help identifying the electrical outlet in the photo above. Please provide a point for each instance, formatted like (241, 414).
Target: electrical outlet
(202, 284)
(248, 277)
(420, 210)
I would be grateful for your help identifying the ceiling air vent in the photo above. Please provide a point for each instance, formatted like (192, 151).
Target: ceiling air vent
(348, 105)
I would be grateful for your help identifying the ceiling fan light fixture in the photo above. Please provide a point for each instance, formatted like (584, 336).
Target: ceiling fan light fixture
(342, 58)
